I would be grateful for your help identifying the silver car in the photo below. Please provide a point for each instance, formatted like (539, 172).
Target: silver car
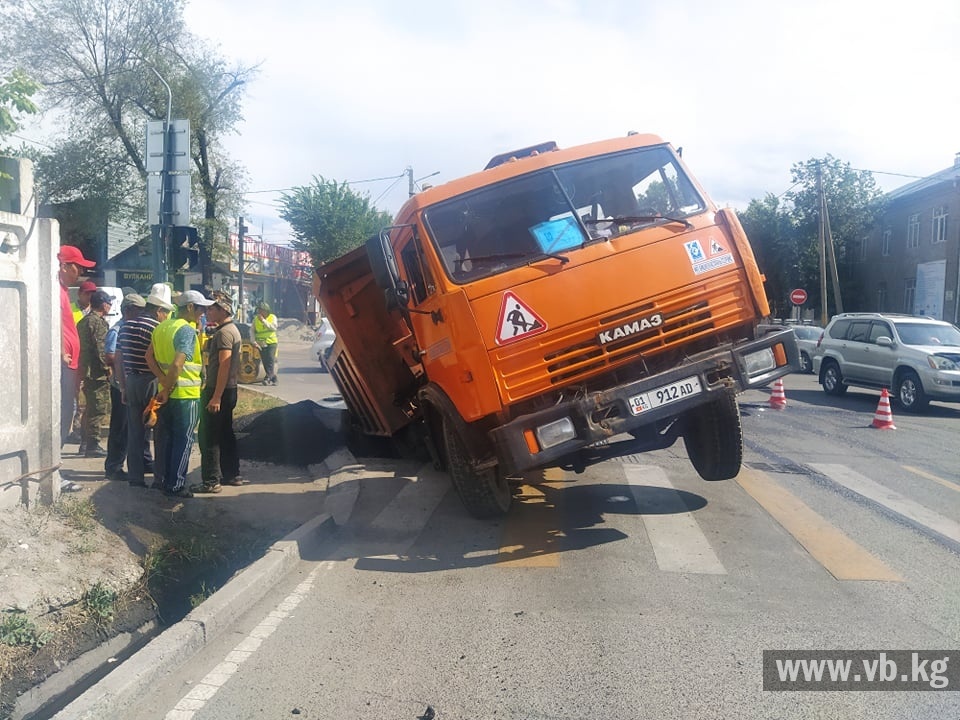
(917, 358)
(807, 338)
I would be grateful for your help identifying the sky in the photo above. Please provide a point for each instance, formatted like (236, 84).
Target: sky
(356, 90)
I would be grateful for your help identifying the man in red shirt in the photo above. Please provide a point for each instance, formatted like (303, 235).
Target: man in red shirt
(72, 265)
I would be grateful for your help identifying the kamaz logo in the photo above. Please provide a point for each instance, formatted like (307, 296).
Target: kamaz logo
(628, 329)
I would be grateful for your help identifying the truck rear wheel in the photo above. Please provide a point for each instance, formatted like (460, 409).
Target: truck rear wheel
(714, 438)
(485, 493)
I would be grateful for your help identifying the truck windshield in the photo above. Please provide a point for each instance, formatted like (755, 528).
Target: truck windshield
(556, 210)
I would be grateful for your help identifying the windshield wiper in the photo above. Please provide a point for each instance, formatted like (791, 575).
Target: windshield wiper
(639, 218)
(517, 256)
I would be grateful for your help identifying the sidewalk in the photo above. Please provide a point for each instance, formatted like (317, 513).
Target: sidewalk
(101, 534)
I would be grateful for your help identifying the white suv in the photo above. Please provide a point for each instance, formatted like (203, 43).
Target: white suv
(917, 358)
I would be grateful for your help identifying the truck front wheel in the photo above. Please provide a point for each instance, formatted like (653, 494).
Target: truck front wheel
(714, 438)
(485, 493)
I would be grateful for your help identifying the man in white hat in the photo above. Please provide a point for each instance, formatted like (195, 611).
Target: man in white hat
(174, 358)
(161, 291)
(138, 385)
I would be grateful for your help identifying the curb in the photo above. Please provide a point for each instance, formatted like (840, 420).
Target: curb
(178, 643)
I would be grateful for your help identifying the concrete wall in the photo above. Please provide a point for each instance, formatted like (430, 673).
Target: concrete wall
(29, 344)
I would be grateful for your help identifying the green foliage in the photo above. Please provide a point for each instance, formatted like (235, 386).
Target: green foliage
(202, 594)
(99, 602)
(329, 219)
(17, 630)
(16, 89)
(785, 235)
(108, 64)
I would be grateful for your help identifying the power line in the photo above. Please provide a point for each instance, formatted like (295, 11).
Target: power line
(392, 186)
(347, 182)
(33, 142)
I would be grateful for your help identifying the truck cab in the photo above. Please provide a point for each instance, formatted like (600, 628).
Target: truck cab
(550, 302)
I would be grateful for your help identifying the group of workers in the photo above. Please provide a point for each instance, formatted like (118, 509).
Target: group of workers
(168, 365)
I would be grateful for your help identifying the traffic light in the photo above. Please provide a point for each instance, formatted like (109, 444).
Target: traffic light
(186, 248)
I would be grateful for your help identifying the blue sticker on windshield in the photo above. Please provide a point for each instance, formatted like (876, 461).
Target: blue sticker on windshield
(555, 235)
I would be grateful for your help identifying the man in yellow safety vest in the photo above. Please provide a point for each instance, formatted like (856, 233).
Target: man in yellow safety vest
(174, 357)
(265, 333)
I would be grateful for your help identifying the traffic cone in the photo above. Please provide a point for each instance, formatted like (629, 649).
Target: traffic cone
(883, 419)
(778, 401)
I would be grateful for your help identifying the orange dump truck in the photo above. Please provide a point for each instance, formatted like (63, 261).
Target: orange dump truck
(559, 297)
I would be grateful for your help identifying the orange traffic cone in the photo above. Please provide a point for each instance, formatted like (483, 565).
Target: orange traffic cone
(778, 401)
(883, 419)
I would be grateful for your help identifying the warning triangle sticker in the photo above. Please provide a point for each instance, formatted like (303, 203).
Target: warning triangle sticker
(517, 320)
(715, 247)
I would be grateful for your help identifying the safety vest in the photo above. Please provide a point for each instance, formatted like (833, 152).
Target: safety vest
(77, 313)
(263, 334)
(188, 384)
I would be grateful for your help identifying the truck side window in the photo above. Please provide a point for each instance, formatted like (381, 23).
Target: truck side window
(412, 261)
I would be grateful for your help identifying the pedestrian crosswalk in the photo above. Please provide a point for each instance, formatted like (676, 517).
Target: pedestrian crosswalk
(556, 512)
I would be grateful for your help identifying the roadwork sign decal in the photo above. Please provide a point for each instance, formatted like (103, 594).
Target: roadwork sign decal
(517, 320)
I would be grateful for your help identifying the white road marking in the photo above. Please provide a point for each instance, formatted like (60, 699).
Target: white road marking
(678, 542)
(201, 693)
(401, 521)
(892, 500)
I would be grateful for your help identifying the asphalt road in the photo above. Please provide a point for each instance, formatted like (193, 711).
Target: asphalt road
(631, 590)
(299, 377)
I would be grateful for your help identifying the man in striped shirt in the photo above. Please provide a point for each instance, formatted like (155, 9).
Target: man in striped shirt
(138, 383)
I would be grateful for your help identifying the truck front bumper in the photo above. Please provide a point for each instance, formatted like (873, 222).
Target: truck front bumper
(545, 436)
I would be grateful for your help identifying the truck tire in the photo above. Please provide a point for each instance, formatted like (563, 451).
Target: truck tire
(714, 438)
(485, 493)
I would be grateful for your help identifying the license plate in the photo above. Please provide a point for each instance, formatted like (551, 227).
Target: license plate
(665, 395)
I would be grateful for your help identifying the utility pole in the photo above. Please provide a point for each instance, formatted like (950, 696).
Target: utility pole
(822, 250)
(241, 231)
(410, 187)
(833, 259)
(827, 253)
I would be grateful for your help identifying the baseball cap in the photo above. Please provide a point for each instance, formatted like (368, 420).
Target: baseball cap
(71, 254)
(224, 303)
(133, 300)
(192, 296)
(100, 297)
(88, 286)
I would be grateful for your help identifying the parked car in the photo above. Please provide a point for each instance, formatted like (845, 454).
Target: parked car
(323, 343)
(807, 338)
(918, 358)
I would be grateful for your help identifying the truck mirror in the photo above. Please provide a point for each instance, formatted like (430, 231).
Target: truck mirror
(386, 274)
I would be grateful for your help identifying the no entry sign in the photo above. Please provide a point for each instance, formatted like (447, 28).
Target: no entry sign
(798, 296)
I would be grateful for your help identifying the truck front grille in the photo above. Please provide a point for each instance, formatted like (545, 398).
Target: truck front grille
(575, 354)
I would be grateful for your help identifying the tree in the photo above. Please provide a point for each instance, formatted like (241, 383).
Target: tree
(785, 235)
(774, 244)
(329, 219)
(853, 204)
(16, 90)
(107, 65)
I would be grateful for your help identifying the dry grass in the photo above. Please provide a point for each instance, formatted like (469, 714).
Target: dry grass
(250, 402)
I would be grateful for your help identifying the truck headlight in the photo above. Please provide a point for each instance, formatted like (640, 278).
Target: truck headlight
(760, 361)
(556, 432)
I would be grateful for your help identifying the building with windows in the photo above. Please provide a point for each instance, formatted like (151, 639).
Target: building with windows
(910, 263)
